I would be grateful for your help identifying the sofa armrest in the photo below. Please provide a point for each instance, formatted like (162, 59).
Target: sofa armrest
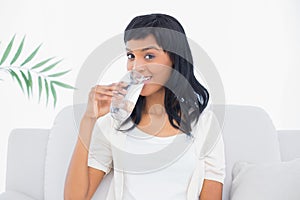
(26, 161)
(11, 195)
(289, 141)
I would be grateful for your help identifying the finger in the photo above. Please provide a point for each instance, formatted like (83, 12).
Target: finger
(117, 97)
(103, 90)
(122, 84)
(112, 86)
(100, 97)
(106, 92)
(120, 91)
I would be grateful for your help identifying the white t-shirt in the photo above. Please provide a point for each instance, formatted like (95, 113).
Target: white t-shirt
(157, 167)
(168, 178)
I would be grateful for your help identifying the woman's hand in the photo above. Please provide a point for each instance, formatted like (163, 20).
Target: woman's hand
(99, 100)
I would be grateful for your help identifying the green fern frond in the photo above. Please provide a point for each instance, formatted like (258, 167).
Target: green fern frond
(30, 57)
(30, 81)
(14, 75)
(53, 91)
(18, 52)
(41, 63)
(24, 75)
(27, 83)
(40, 87)
(63, 85)
(7, 50)
(58, 74)
(50, 66)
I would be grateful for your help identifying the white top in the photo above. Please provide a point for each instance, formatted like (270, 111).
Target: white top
(168, 178)
(157, 167)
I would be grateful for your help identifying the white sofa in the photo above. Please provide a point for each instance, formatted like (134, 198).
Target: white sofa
(38, 159)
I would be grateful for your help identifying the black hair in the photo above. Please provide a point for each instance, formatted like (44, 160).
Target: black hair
(185, 98)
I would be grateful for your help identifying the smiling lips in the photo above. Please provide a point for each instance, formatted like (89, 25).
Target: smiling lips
(147, 79)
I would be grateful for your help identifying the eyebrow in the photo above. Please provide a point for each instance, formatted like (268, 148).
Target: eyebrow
(145, 49)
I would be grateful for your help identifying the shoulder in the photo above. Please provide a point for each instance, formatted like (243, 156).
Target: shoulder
(207, 131)
(105, 120)
(102, 130)
(204, 119)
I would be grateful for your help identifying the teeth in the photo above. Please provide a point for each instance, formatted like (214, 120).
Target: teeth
(148, 78)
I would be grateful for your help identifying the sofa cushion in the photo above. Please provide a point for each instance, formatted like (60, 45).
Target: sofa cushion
(62, 139)
(248, 134)
(276, 181)
(26, 161)
(11, 195)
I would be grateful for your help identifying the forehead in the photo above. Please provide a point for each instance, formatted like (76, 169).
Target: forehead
(141, 43)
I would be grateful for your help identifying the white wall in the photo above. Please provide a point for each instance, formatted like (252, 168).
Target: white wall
(252, 43)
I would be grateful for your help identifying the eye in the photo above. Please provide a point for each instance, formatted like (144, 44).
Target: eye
(130, 56)
(149, 56)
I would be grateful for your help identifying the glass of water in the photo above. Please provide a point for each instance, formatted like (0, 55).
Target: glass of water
(126, 96)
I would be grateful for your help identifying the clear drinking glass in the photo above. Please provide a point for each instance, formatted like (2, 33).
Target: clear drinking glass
(123, 102)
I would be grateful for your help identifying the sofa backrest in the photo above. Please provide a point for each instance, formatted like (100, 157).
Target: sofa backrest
(249, 135)
(62, 139)
(289, 141)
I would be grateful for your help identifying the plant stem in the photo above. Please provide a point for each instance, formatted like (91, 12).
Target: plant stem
(6, 68)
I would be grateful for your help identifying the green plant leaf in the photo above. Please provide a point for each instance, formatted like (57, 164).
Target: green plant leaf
(31, 55)
(40, 87)
(26, 82)
(7, 50)
(47, 90)
(63, 85)
(53, 93)
(14, 75)
(30, 81)
(18, 52)
(50, 66)
(41, 63)
(59, 74)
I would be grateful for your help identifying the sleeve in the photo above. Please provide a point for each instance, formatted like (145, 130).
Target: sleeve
(214, 162)
(100, 154)
(212, 146)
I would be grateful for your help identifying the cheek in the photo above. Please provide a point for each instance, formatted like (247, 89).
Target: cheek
(149, 89)
(129, 66)
(161, 76)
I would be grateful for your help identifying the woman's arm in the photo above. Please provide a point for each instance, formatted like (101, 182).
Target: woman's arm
(211, 190)
(82, 181)
(214, 162)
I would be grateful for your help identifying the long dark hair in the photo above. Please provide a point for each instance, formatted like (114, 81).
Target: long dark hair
(185, 98)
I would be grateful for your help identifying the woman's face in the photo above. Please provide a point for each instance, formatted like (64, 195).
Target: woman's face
(145, 56)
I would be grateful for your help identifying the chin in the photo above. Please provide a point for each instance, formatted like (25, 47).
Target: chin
(145, 93)
(150, 89)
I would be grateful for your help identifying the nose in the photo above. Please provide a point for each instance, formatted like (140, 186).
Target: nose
(139, 66)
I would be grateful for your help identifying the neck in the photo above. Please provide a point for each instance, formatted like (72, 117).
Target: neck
(154, 104)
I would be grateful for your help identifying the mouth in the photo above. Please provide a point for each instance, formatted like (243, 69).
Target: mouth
(147, 79)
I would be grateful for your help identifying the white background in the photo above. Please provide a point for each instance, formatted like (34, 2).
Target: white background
(253, 44)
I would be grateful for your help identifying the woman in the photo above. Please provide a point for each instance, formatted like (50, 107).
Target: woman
(171, 104)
